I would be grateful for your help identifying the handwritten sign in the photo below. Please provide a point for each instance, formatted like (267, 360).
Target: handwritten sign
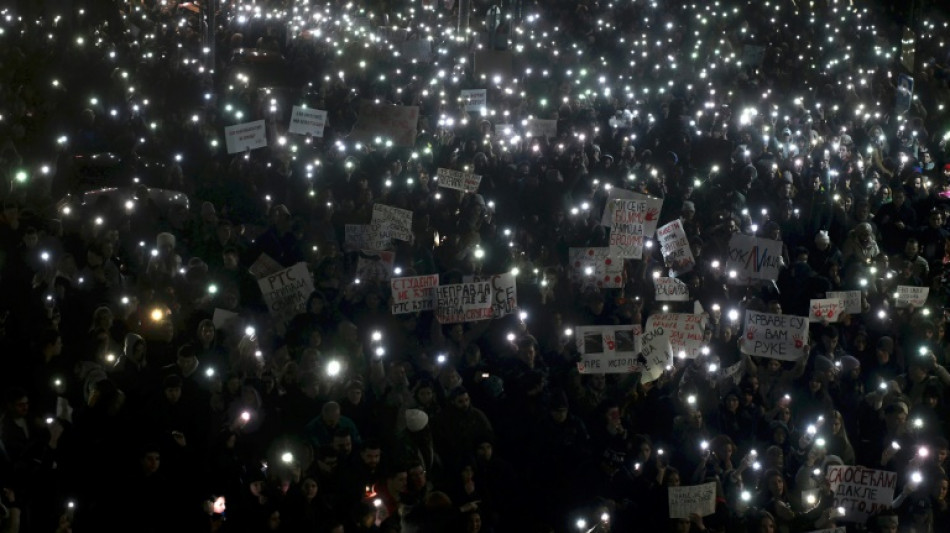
(657, 353)
(851, 299)
(825, 310)
(306, 121)
(537, 127)
(596, 267)
(247, 136)
(389, 122)
(628, 227)
(264, 265)
(474, 99)
(675, 247)
(607, 349)
(374, 265)
(286, 292)
(910, 295)
(685, 331)
(774, 336)
(413, 294)
(504, 291)
(861, 491)
(699, 499)
(392, 222)
(671, 290)
(653, 209)
(461, 181)
(753, 258)
(363, 237)
(464, 302)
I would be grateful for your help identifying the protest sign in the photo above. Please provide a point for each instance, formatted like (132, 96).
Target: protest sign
(671, 290)
(653, 206)
(392, 222)
(464, 302)
(627, 228)
(657, 353)
(414, 293)
(286, 292)
(595, 267)
(685, 331)
(825, 310)
(247, 136)
(504, 131)
(264, 265)
(491, 63)
(504, 291)
(699, 499)
(851, 299)
(753, 258)
(537, 127)
(461, 181)
(861, 491)
(362, 237)
(374, 265)
(607, 349)
(910, 295)
(733, 373)
(386, 122)
(675, 247)
(474, 99)
(306, 121)
(781, 337)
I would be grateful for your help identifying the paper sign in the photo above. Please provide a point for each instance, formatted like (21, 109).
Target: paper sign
(537, 127)
(392, 122)
(851, 299)
(861, 491)
(492, 63)
(463, 302)
(782, 337)
(504, 291)
(825, 310)
(685, 331)
(247, 136)
(657, 353)
(753, 258)
(392, 222)
(675, 247)
(595, 267)
(307, 121)
(671, 290)
(699, 499)
(628, 227)
(286, 292)
(607, 349)
(363, 237)
(653, 206)
(461, 181)
(474, 99)
(374, 265)
(264, 265)
(413, 294)
(910, 295)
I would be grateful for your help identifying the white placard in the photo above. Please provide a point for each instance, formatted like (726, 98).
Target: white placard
(627, 228)
(753, 258)
(685, 331)
(825, 310)
(653, 207)
(671, 290)
(247, 136)
(657, 353)
(362, 237)
(699, 499)
(861, 491)
(596, 267)
(392, 222)
(474, 99)
(413, 293)
(504, 289)
(306, 121)
(607, 349)
(460, 181)
(911, 295)
(286, 292)
(675, 247)
(375, 265)
(852, 300)
(464, 302)
(537, 127)
(781, 337)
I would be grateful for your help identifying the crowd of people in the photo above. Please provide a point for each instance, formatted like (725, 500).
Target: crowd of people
(148, 384)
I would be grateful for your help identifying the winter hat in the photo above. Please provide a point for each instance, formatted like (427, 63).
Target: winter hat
(849, 363)
(416, 420)
(166, 239)
(822, 237)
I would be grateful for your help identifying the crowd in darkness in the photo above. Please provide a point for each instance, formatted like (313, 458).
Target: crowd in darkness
(147, 386)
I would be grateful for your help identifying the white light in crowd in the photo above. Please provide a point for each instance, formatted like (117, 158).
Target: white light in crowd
(287, 457)
(377, 336)
(812, 429)
(918, 423)
(581, 523)
(715, 264)
(713, 367)
(881, 314)
(333, 368)
(704, 445)
(895, 445)
(523, 315)
(110, 358)
(49, 420)
(212, 289)
(916, 477)
(441, 359)
(44, 256)
(380, 351)
(733, 315)
(746, 496)
(568, 332)
(510, 337)
(209, 372)
(397, 271)
(246, 416)
(249, 331)
(820, 441)
(923, 451)
(515, 271)
(691, 399)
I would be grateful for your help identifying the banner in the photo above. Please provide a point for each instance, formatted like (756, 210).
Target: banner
(286, 292)
(699, 499)
(607, 349)
(671, 290)
(504, 292)
(306, 121)
(595, 267)
(392, 222)
(537, 127)
(851, 299)
(392, 122)
(675, 247)
(657, 353)
(247, 136)
(363, 237)
(685, 331)
(653, 206)
(861, 491)
(374, 265)
(753, 258)
(474, 99)
(774, 336)
(463, 302)
(413, 294)
(911, 295)
(460, 181)
(825, 310)
(627, 228)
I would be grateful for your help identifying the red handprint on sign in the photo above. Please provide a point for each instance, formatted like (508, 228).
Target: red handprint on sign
(799, 342)
(750, 333)
(652, 214)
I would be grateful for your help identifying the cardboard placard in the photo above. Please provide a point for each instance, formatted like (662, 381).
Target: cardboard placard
(596, 267)
(861, 491)
(363, 237)
(247, 136)
(474, 99)
(608, 349)
(286, 292)
(685, 331)
(653, 207)
(782, 337)
(628, 227)
(657, 353)
(413, 294)
(307, 121)
(911, 295)
(504, 290)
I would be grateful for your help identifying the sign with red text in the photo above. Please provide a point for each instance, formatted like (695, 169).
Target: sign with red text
(753, 258)
(825, 310)
(675, 247)
(653, 206)
(464, 302)
(413, 294)
(248, 136)
(607, 349)
(783, 337)
(504, 291)
(861, 491)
